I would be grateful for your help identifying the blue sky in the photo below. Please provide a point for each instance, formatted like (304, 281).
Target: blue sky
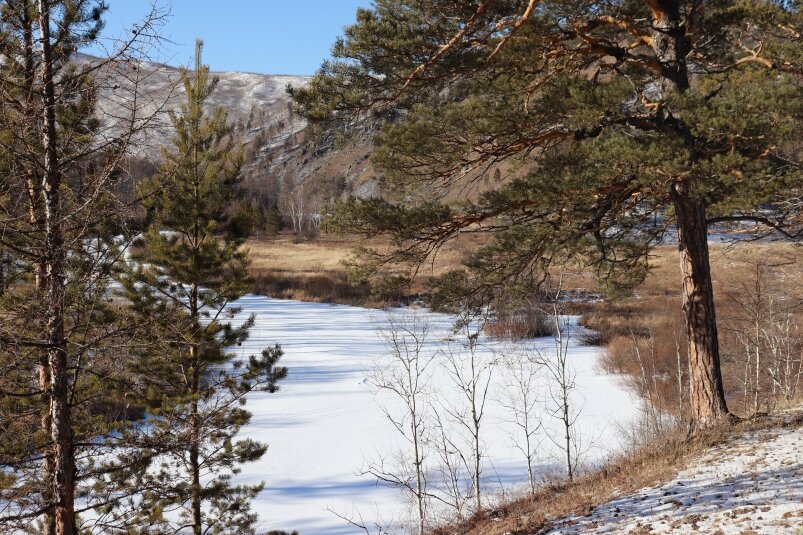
(264, 36)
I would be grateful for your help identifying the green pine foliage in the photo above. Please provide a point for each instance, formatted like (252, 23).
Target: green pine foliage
(191, 266)
(272, 220)
(580, 116)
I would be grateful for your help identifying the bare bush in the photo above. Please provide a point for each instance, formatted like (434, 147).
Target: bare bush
(521, 323)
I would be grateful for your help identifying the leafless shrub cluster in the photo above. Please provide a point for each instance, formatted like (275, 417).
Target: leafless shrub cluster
(763, 337)
(521, 323)
(443, 465)
(760, 313)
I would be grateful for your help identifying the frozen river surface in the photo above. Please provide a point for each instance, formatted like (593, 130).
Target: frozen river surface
(325, 424)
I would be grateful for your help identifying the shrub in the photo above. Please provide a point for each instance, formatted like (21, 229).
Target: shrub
(521, 324)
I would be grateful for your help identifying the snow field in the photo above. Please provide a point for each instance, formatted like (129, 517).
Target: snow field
(325, 425)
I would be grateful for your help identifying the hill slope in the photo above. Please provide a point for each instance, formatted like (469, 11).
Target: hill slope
(753, 484)
(279, 155)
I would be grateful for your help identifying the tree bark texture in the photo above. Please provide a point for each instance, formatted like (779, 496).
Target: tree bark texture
(62, 462)
(706, 393)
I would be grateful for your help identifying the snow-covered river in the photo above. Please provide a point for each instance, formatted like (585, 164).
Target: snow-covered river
(325, 425)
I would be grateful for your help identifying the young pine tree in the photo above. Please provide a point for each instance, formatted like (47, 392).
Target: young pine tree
(273, 220)
(191, 268)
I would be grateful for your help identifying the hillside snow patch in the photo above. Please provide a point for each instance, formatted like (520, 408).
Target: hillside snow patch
(753, 485)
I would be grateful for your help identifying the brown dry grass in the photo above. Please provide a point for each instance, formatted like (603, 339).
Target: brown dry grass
(729, 263)
(324, 255)
(647, 466)
(314, 271)
(307, 271)
(653, 319)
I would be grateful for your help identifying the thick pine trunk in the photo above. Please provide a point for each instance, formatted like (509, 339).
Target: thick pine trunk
(61, 464)
(706, 394)
(670, 43)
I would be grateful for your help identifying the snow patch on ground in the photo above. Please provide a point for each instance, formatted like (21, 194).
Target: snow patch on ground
(753, 486)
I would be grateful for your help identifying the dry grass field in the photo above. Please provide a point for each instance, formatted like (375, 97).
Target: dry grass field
(314, 271)
(310, 270)
(643, 333)
(307, 271)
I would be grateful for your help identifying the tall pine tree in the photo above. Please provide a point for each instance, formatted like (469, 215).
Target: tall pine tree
(602, 115)
(191, 267)
(60, 338)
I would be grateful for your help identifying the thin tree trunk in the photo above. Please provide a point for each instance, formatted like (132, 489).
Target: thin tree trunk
(568, 437)
(477, 471)
(195, 469)
(746, 380)
(476, 418)
(36, 218)
(527, 440)
(43, 375)
(756, 389)
(62, 478)
(706, 393)
(33, 185)
(564, 387)
(419, 477)
(195, 431)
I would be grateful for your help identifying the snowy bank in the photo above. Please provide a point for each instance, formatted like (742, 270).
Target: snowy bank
(752, 485)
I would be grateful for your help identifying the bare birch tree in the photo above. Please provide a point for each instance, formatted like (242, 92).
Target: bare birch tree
(470, 370)
(785, 346)
(521, 371)
(561, 383)
(454, 484)
(404, 373)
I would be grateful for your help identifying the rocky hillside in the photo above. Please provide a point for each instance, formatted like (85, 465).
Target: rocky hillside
(280, 156)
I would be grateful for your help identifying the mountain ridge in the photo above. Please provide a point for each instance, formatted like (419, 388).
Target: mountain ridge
(280, 155)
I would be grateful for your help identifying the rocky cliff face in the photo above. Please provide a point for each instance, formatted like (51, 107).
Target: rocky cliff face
(280, 155)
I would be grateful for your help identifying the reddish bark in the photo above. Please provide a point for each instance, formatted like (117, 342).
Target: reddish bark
(706, 393)
(61, 459)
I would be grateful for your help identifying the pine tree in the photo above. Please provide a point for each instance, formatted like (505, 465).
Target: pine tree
(58, 330)
(601, 115)
(273, 220)
(191, 268)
